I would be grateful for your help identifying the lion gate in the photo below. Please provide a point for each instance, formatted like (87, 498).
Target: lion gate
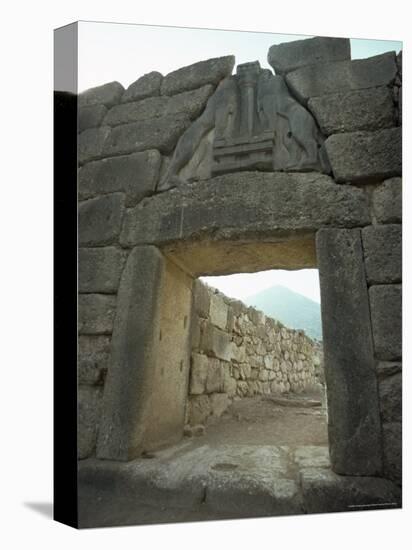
(205, 172)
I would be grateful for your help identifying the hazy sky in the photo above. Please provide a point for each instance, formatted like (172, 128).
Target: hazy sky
(124, 52)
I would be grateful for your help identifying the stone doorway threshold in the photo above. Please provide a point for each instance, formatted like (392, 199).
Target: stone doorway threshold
(265, 457)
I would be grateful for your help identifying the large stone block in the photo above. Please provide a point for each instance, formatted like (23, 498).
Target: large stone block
(100, 220)
(93, 359)
(369, 109)
(215, 376)
(91, 143)
(108, 94)
(159, 133)
(189, 103)
(382, 247)
(96, 313)
(218, 311)
(136, 175)
(91, 116)
(89, 406)
(390, 397)
(147, 85)
(364, 157)
(199, 409)
(325, 492)
(386, 315)
(326, 78)
(198, 374)
(201, 299)
(298, 53)
(126, 401)
(100, 269)
(216, 343)
(198, 74)
(353, 403)
(246, 203)
(392, 451)
(387, 201)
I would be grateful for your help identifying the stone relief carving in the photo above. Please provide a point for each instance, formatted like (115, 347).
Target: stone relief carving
(251, 122)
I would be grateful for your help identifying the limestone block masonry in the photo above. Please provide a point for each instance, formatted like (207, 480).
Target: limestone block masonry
(239, 352)
(208, 171)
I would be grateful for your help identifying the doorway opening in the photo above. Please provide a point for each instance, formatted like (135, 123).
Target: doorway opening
(256, 375)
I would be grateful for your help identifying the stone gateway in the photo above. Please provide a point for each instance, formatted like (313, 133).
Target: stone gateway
(205, 172)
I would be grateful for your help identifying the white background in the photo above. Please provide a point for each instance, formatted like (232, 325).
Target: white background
(26, 275)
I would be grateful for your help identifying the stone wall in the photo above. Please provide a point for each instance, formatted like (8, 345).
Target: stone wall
(239, 352)
(128, 139)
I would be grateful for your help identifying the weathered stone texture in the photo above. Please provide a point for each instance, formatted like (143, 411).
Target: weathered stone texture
(136, 175)
(100, 269)
(392, 451)
(107, 94)
(326, 78)
(325, 492)
(89, 405)
(96, 313)
(369, 109)
(133, 355)
(91, 143)
(147, 85)
(246, 203)
(218, 311)
(387, 201)
(365, 156)
(386, 315)
(189, 103)
(382, 246)
(390, 396)
(93, 358)
(159, 133)
(293, 55)
(353, 404)
(201, 299)
(91, 116)
(211, 71)
(216, 343)
(100, 220)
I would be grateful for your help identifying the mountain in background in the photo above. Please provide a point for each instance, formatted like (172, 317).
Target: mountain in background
(290, 308)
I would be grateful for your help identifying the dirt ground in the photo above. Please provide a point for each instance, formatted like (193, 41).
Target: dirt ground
(293, 420)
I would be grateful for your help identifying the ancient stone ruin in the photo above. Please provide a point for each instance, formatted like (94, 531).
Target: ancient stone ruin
(210, 171)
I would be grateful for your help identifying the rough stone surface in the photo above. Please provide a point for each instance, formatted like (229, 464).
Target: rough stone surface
(247, 203)
(100, 269)
(159, 133)
(382, 246)
(136, 175)
(91, 116)
(218, 311)
(392, 450)
(100, 220)
(326, 78)
(201, 299)
(107, 94)
(147, 85)
(323, 492)
(387, 201)
(193, 76)
(292, 55)
(353, 404)
(91, 143)
(198, 374)
(361, 157)
(386, 315)
(96, 313)
(189, 103)
(128, 384)
(216, 343)
(93, 357)
(390, 397)
(89, 403)
(200, 409)
(369, 109)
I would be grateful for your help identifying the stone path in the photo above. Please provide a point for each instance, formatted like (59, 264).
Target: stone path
(235, 470)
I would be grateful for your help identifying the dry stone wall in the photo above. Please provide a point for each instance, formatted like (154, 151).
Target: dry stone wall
(239, 352)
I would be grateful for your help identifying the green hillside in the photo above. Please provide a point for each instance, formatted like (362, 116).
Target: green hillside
(290, 308)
